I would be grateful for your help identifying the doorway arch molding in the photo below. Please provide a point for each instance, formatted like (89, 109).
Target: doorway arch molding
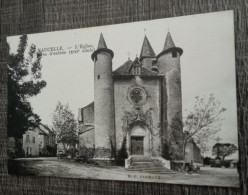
(139, 129)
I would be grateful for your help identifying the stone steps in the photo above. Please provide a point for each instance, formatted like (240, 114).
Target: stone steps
(141, 159)
(149, 166)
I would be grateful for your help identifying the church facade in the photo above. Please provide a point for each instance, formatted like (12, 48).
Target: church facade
(138, 106)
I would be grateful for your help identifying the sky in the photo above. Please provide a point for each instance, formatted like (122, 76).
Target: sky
(207, 63)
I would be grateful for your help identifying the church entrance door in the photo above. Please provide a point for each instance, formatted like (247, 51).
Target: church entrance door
(137, 145)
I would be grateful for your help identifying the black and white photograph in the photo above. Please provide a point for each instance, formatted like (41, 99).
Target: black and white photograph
(149, 101)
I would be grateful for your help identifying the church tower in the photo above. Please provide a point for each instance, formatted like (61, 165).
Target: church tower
(169, 65)
(147, 54)
(103, 101)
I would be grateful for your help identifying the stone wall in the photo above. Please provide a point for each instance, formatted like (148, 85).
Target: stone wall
(126, 111)
(87, 138)
(87, 114)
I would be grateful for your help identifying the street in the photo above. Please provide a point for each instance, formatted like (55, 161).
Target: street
(51, 166)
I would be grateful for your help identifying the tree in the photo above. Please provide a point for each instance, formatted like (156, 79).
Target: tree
(203, 122)
(24, 81)
(223, 150)
(174, 139)
(65, 126)
(122, 153)
(207, 161)
(11, 147)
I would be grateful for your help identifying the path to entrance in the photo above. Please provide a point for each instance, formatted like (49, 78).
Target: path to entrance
(66, 168)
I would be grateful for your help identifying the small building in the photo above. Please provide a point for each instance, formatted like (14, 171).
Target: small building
(86, 126)
(192, 152)
(37, 139)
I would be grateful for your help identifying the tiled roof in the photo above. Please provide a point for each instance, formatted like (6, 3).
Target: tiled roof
(127, 66)
(102, 47)
(147, 72)
(90, 104)
(86, 128)
(146, 50)
(102, 43)
(168, 42)
(123, 69)
(45, 129)
(169, 46)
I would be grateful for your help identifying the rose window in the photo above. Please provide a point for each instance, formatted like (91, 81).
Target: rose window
(137, 95)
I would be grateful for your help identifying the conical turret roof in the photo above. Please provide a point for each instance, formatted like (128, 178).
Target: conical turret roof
(169, 43)
(102, 43)
(102, 47)
(146, 50)
(169, 46)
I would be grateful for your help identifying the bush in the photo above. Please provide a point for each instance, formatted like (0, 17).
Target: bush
(207, 161)
(51, 151)
(85, 154)
(214, 164)
(227, 164)
(11, 147)
(122, 154)
(71, 152)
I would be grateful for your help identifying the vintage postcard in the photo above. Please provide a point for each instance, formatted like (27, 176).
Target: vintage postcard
(151, 101)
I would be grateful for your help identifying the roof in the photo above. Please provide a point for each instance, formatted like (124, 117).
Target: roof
(86, 114)
(124, 70)
(146, 50)
(42, 129)
(86, 128)
(169, 46)
(102, 43)
(169, 43)
(102, 47)
(45, 129)
(90, 104)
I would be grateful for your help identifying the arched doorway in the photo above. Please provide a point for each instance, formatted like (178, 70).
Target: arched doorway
(139, 141)
(137, 145)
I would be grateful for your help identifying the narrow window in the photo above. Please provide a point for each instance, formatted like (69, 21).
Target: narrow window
(27, 138)
(174, 54)
(98, 76)
(136, 70)
(33, 139)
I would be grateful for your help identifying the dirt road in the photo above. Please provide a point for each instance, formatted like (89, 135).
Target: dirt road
(66, 168)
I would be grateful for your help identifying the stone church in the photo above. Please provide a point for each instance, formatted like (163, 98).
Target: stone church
(137, 106)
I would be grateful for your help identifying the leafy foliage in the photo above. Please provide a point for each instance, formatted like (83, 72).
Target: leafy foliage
(65, 125)
(48, 151)
(137, 113)
(24, 81)
(122, 153)
(207, 160)
(11, 147)
(86, 154)
(203, 122)
(224, 149)
(174, 136)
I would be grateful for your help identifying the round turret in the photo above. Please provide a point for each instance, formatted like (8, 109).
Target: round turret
(103, 100)
(169, 65)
